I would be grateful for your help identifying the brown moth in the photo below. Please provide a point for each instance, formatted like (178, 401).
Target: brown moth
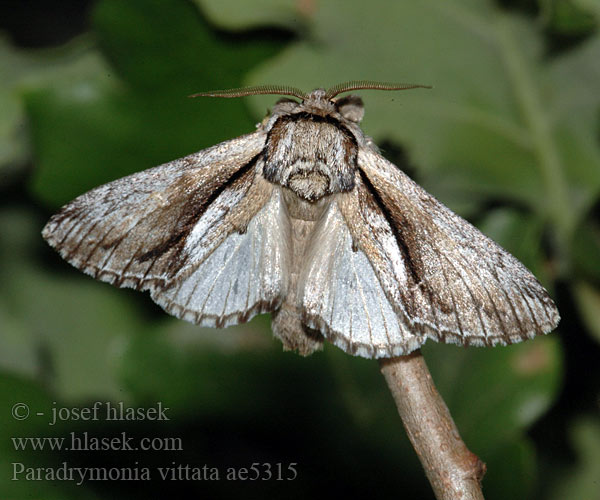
(304, 219)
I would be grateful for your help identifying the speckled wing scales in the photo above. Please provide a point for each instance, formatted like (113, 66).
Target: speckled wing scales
(246, 274)
(437, 276)
(162, 230)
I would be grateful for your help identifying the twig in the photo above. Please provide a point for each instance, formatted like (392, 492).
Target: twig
(453, 471)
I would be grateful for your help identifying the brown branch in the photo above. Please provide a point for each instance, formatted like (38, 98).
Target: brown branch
(453, 471)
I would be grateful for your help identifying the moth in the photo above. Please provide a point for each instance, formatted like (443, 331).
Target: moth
(304, 219)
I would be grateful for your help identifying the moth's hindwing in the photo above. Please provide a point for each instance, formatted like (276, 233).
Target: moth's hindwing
(343, 297)
(403, 268)
(165, 230)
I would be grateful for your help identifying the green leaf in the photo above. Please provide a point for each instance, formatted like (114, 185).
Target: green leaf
(586, 250)
(494, 394)
(132, 113)
(581, 480)
(13, 146)
(590, 6)
(196, 371)
(569, 16)
(511, 471)
(22, 70)
(518, 234)
(237, 15)
(66, 331)
(587, 298)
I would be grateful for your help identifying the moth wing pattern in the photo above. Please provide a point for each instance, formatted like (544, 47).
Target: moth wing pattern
(246, 274)
(441, 278)
(160, 229)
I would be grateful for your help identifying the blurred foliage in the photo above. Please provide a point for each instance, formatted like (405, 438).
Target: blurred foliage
(580, 480)
(20, 70)
(570, 16)
(509, 137)
(127, 109)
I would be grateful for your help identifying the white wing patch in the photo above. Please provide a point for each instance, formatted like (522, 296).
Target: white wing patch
(343, 298)
(244, 276)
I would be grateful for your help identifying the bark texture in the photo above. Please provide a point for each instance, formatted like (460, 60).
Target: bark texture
(452, 469)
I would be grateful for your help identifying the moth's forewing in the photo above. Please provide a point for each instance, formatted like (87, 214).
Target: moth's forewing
(442, 277)
(154, 230)
(246, 274)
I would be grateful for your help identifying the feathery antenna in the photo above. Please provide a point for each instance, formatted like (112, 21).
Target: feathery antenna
(370, 85)
(255, 90)
(295, 92)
